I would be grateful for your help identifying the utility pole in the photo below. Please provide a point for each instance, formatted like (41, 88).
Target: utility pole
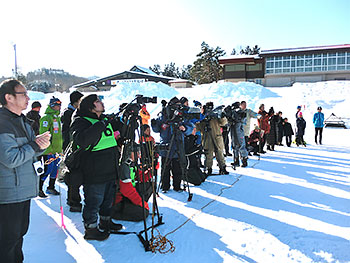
(14, 47)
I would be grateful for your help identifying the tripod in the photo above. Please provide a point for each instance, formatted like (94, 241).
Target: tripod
(180, 151)
(131, 157)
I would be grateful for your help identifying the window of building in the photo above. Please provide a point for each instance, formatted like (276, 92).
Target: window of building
(256, 67)
(341, 60)
(270, 64)
(237, 67)
(308, 63)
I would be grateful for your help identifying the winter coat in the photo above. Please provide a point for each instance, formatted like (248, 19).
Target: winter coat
(161, 126)
(264, 121)
(98, 165)
(318, 120)
(287, 129)
(271, 137)
(145, 116)
(249, 114)
(214, 132)
(301, 125)
(34, 116)
(252, 137)
(18, 180)
(66, 122)
(52, 122)
(280, 124)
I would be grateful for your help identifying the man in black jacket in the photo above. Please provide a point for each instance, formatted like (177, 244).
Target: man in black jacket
(73, 194)
(66, 119)
(98, 165)
(34, 116)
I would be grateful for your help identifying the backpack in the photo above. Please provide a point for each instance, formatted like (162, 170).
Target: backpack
(72, 159)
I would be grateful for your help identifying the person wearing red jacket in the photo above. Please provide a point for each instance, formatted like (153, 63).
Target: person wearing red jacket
(264, 125)
(128, 201)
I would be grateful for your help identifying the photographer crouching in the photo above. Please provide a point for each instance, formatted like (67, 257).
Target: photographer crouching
(172, 127)
(212, 140)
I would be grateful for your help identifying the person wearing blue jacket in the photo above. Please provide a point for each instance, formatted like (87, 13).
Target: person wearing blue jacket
(165, 125)
(319, 123)
(19, 178)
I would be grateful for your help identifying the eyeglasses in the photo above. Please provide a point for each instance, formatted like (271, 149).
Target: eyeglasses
(23, 93)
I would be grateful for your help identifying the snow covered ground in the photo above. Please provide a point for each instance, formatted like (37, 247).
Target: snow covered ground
(292, 205)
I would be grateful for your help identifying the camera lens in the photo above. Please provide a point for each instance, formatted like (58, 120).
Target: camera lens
(39, 170)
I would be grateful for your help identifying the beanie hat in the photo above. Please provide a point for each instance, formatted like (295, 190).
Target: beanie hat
(87, 103)
(75, 96)
(319, 108)
(54, 102)
(197, 103)
(36, 104)
(299, 107)
(174, 100)
(183, 100)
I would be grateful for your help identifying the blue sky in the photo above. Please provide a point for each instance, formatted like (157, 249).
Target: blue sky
(105, 37)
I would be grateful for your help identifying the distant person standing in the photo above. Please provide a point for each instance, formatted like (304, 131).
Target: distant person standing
(280, 124)
(51, 122)
(319, 123)
(287, 131)
(301, 125)
(145, 116)
(18, 179)
(249, 115)
(34, 116)
(73, 193)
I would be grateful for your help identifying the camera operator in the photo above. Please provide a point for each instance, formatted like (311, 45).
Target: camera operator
(237, 119)
(98, 165)
(171, 126)
(249, 115)
(212, 140)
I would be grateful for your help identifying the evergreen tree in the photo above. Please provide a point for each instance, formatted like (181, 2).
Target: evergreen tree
(156, 69)
(170, 70)
(248, 51)
(206, 68)
(234, 52)
(185, 72)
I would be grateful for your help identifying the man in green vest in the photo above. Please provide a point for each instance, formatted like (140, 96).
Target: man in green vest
(90, 127)
(51, 122)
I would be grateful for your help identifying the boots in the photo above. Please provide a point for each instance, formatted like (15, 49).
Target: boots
(210, 171)
(268, 147)
(236, 162)
(244, 162)
(51, 189)
(107, 225)
(95, 234)
(223, 171)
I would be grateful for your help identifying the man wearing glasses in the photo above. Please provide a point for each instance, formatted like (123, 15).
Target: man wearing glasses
(18, 176)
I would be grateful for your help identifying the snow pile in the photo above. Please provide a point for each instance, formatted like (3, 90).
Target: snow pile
(228, 93)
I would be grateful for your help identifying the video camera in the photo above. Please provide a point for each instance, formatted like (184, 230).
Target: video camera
(140, 99)
(234, 113)
(211, 113)
(176, 112)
